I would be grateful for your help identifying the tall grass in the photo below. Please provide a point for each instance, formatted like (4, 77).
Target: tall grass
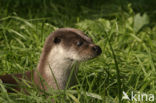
(125, 33)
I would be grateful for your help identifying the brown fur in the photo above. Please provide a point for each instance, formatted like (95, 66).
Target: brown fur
(69, 36)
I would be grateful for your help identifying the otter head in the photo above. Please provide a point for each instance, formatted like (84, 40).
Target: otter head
(74, 45)
(62, 48)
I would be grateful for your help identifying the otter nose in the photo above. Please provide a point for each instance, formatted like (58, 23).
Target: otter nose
(97, 49)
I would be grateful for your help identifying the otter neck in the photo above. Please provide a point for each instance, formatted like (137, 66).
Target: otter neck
(58, 66)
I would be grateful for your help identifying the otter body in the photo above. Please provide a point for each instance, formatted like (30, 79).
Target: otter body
(62, 48)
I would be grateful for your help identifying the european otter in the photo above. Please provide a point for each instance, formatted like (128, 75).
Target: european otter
(62, 48)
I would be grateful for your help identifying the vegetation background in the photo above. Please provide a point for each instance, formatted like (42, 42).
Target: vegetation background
(125, 30)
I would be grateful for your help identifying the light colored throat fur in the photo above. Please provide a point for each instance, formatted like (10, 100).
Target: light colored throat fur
(58, 67)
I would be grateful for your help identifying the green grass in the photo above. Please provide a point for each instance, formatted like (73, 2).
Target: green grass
(124, 30)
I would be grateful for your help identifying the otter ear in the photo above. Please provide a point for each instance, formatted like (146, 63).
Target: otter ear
(57, 40)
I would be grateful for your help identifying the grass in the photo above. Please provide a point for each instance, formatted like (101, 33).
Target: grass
(124, 30)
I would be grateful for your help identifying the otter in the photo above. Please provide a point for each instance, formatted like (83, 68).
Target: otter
(61, 49)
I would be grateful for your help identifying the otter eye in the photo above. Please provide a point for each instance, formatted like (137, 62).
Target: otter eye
(57, 40)
(79, 43)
